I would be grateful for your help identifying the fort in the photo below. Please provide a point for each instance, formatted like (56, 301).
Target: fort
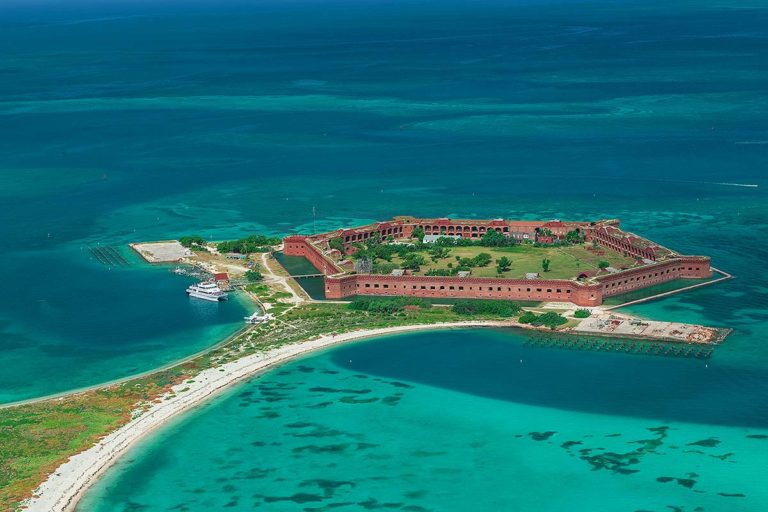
(591, 260)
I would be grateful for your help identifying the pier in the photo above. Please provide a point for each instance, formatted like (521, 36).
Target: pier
(109, 256)
(621, 346)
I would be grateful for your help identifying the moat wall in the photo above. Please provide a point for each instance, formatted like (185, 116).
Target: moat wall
(339, 285)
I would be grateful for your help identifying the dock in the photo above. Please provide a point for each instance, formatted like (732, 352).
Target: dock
(620, 326)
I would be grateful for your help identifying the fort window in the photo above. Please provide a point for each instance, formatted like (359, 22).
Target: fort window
(559, 290)
(528, 289)
(367, 285)
(461, 287)
(423, 287)
(538, 289)
(498, 289)
(431, 287)
(549, 290)
(442, 287)
(386, 286)
(414, 287)
(376, 285)
(450, 287)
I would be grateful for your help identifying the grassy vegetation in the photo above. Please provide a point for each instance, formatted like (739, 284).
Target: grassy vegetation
(37, 438)
(565, 262)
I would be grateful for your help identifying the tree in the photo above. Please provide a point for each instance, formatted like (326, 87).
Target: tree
(595, 245)
(418, 232)
(438, 253)
(574, 237)
(336, 243)
(603, 265)
(482, 259)
(253, 276)
(545, 264)
(413, 261)
(503, 264)
(493, 238)
(189, 241)
(582, 313)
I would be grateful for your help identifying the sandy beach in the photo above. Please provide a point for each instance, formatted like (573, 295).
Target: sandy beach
(64, 488)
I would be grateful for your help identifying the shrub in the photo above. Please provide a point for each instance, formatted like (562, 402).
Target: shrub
(487, 307)
(528, 317)
(387, 305)
(253, 276)
(582, 313)
(384, 268)
(249, 244)
(550, 319)
(336, 243)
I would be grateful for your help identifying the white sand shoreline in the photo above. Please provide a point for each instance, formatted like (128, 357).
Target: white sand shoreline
(64, 488)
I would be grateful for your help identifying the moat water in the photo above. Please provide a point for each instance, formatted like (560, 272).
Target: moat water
(236, 118)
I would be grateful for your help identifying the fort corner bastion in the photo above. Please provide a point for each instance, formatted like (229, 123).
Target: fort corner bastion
(648, 263)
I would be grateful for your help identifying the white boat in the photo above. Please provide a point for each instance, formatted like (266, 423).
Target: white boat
(206, 290)
(256, 318)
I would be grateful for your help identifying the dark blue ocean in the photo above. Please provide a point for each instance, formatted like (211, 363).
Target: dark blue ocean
(140, 120)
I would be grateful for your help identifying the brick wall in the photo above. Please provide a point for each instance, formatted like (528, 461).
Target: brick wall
(300, 246)
(338, 287)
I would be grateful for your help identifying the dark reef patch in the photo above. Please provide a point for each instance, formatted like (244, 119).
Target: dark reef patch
(541, 436)
(322, 389)
(353, 400)
(709, 443)
(373, 504)
(320, 405)
(390, 400)
(299, 498)
(328, 487)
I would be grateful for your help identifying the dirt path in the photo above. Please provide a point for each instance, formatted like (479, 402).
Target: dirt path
(272, 278)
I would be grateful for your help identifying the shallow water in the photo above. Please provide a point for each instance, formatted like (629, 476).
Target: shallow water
(460, 420)
(235, 118)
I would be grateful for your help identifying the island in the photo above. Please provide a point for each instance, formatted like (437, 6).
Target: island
(552, 278)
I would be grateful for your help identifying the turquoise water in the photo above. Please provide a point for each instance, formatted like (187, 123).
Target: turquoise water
(410, 423)
(230, 118)
(146, 120)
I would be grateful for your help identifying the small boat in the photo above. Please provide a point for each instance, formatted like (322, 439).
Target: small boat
(207, 290)
(256, 318)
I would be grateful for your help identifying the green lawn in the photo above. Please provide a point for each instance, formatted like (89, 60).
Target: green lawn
(565, 262)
